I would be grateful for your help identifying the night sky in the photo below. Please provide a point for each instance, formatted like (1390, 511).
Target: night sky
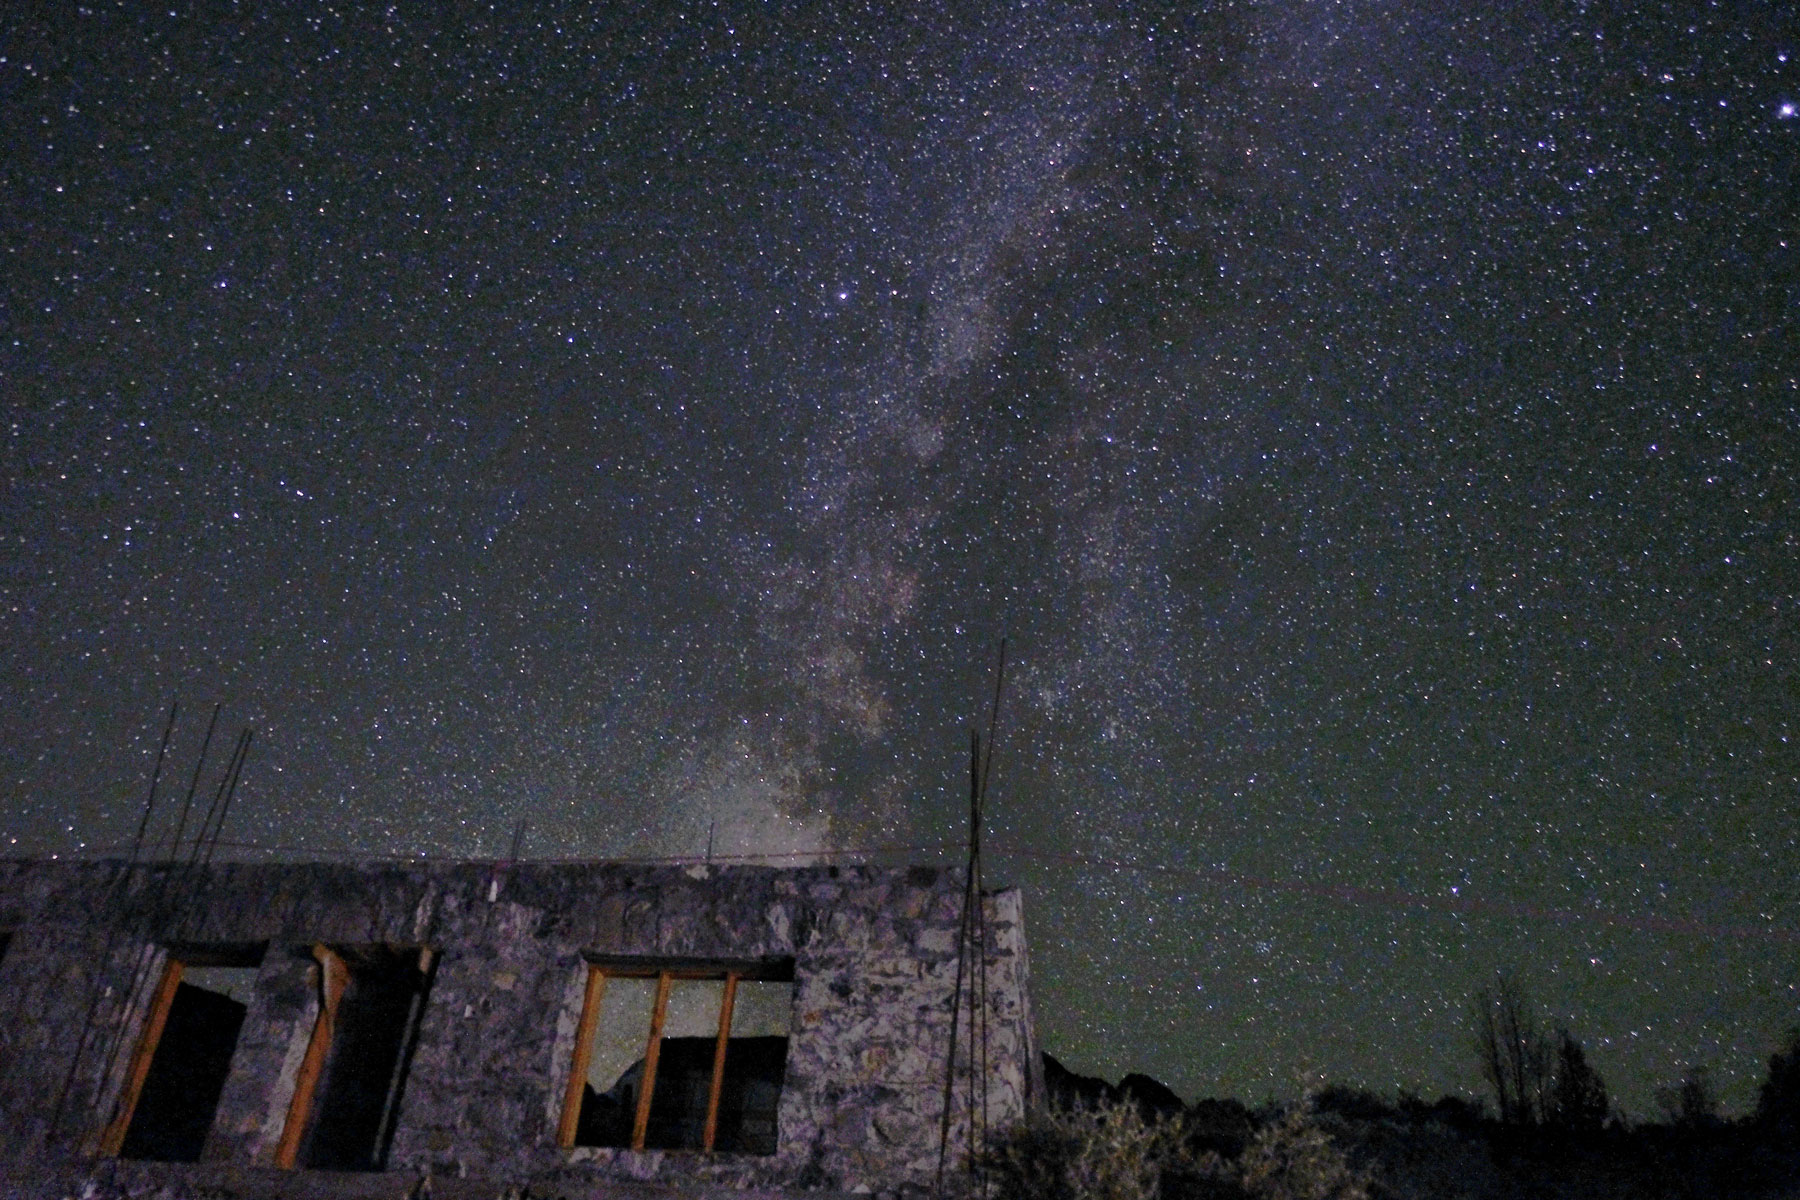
(1377, 432)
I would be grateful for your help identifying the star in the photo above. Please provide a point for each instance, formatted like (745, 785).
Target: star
(648, 429)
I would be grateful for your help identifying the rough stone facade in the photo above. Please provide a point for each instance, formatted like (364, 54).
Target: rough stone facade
(874, 961)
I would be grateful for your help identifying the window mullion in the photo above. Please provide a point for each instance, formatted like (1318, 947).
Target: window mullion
(584, 1053)
(641, 1121)
(718, 1065)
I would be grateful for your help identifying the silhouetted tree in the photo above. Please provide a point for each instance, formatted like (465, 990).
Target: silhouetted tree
(1778, 1104)
(1577, 1094)
(1515, 1056)
(1692, 1103)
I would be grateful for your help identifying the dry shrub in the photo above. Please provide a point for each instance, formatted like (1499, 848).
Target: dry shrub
(1295, 1159)
(1112, 1151)
(1108, 1152)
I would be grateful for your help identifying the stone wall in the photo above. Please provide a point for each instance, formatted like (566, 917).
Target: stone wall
(874, 960)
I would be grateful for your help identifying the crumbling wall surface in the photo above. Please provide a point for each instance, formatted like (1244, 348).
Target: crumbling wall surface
(869, 1059)
(63, 981)
(44, 964)
(270, 1046)
(875, 963)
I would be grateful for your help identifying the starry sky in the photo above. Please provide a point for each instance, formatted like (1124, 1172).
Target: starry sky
(1373, 423)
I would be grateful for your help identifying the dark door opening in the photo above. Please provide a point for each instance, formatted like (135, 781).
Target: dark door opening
(186, 1051)
(376, 1028)
(181, 1093)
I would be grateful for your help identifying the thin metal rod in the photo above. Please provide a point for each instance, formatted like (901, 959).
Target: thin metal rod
(185, 901)
(974, 946)
(962, 963)
(122, 888)
(977, 1017)
(979, 984)
(218, 800)
(962, 942)
(987, 770)
(159, 917)
(409, 1045)
(199, 765)
(212, 843)
(137, 843)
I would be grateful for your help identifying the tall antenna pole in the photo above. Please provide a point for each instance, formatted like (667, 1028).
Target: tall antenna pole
(962, 961)
(137, 843)
(971, 938)
(978, 985)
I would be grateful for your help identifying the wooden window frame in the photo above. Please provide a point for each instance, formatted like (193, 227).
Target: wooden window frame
(333, 982)
(156, 1019)
(594, 993)
(112, 1139)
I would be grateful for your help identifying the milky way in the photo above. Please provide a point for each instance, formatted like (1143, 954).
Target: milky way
(1375, 432)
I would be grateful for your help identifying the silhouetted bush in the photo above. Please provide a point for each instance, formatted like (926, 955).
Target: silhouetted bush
(1295, 1159)
(1109, 1151)
(1778, 1104)
(1223, 1127)
(1691, 1104)
(1577, 1099)
(1112, 1151)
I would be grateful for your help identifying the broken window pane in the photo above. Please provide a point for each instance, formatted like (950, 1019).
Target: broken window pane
(616, 1063)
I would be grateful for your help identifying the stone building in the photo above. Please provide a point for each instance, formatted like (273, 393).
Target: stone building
(466, 1029)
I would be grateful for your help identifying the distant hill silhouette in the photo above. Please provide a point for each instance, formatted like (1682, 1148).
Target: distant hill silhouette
(1068, 1089)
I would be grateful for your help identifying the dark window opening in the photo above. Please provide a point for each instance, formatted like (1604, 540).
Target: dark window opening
(177, 1074)
(375, 997)
(688, 1057)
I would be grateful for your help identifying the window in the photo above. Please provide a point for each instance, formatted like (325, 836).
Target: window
(177, 1072)
(348, 1092)
(679, 1057)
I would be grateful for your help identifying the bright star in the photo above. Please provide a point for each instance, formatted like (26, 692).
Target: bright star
(1787, 110)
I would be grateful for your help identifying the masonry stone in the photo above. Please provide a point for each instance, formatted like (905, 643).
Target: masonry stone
(504, 953)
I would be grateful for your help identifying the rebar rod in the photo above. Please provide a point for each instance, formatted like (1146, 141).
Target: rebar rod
(122, 887)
